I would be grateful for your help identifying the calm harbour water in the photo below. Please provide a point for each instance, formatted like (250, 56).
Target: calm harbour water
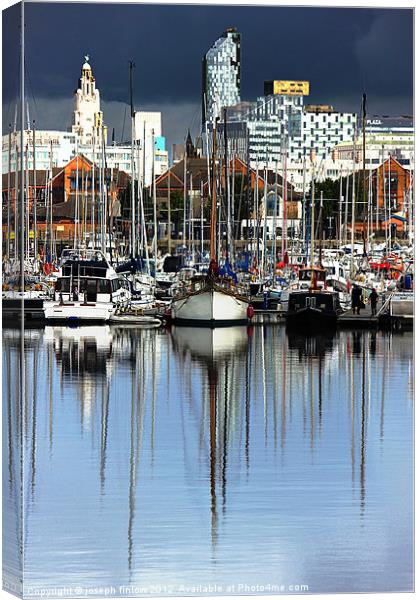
(191, 461)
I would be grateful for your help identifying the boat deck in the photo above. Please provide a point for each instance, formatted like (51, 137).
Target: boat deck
(364, 319)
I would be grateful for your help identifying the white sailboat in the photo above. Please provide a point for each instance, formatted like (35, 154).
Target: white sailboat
(209, 303)
(211, 300)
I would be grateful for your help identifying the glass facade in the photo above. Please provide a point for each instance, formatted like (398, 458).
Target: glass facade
(222, 74)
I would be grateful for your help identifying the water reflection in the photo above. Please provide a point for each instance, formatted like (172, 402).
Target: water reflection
(226, 454)
(217, 351)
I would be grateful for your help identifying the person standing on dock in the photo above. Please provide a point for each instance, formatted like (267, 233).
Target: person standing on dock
(356, 298)
(373, 299)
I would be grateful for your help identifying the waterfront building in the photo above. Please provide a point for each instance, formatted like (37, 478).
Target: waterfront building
(279, 128)
(321, 129)
(221, 75)
(88, 134)
(56, 149)
(385, 136)
(87, 115)
(393, 184)
(148, 133)
(77, 183)
(52, 148)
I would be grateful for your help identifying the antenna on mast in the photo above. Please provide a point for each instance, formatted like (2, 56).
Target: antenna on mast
(132, 66)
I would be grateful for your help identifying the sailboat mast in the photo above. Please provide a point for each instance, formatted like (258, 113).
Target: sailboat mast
(155, 226)
(232, 202)
(22, 390)
(107, 207)
(133, 206)
(264, 238)
(22, 164)
(213, 218)
(16, 207)
(353, 207)
(105, 195)
(184, 226)
(274, 242)
(283, 227)
(93, 193)
(320, 232)
(340, 208)
(140, 189)
(228, 236)
(346, 206)
(169, 211)
(142, 181)
(364, 170)
(370, 212)
(51, 203)
(76, 207)
(34, 196)
(202, 220)
(8, 190)
(257, 218)
(191, 222)
(27, 199)
(389, 205)
(410, 203)
(312, 214)
(303, 220)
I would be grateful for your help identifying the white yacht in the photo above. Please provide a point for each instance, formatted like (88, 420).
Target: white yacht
(87, 289)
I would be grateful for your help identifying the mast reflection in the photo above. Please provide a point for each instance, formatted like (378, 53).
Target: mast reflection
(218, 352)
(239, 401)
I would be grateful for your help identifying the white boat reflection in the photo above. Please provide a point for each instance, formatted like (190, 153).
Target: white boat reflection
(210, 344)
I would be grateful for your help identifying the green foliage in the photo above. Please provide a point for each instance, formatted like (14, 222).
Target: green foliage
(331, 193)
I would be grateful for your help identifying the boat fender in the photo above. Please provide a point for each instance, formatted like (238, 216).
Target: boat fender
(250, 311)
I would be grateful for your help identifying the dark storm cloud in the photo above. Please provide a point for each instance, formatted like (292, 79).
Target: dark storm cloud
(342, 52)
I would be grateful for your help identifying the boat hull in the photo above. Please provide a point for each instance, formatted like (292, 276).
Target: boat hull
(402, 305)
(33, 309)
(78, 312)
(210, 307)
(311, 319)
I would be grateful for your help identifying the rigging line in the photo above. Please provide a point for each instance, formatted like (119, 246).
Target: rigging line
(15, 85)
(123, 127)
(31, 88)
(195, 116)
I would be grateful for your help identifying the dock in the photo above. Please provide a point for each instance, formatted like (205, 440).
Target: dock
(268, 315)
(364, 319)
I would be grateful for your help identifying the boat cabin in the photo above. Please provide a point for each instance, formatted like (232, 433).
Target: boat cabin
(91, 280)
(323, 301)
(313, 277)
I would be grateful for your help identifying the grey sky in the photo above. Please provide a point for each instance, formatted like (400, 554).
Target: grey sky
(342, 52)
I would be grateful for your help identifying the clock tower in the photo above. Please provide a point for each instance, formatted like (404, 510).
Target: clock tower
(87, 114)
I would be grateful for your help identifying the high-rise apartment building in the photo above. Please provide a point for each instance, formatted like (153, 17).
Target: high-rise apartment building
(279, 128)
(221, 75)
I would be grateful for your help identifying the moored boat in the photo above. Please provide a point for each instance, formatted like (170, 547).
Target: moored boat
(212, 299)
(87, 289)
(210, 302)
(28, 303)
(314, 307)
